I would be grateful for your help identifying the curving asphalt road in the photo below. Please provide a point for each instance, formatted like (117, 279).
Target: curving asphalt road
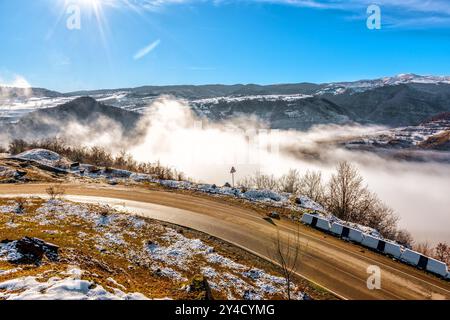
(336, 265)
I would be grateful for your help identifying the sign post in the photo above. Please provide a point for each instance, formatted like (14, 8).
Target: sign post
(232, 171)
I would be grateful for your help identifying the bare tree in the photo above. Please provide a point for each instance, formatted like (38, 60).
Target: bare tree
(349, 199)
(311, 185)
(288, 255)
(442, 252)
(259, 181)
(290, 182)
(346, 192)
(264, 181)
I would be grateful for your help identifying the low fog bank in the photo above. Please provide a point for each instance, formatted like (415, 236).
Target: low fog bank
(205, 151)
(418, 192)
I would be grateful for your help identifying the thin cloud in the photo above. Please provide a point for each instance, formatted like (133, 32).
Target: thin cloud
(397, 13)
(145, 51)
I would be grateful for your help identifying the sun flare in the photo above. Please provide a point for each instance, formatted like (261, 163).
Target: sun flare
(94, 4)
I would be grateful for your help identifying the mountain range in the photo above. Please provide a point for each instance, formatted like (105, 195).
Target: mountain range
(403, 100)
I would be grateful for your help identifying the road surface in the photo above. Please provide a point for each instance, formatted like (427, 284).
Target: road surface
(334, 264)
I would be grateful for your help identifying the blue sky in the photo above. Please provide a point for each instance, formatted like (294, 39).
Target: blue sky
(157, 42)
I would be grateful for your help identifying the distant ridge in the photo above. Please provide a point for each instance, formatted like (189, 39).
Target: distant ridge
(84, 111)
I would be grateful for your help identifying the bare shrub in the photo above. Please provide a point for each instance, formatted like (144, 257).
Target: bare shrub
(20, 205)
(125, 161)
(405, 238)
(311, 185)
(425, 248)
(17, 146)
(290, 182)
(245, 183)
(55, 192)
(259, 181)
(264, 181)
(98, 157)
(104, 211)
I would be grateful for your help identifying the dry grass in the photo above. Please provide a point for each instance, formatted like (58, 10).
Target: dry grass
(33, 174)
(79, 246)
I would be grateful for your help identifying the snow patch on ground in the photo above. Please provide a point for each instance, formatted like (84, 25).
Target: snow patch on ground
(8, 209)
(6, 172)
(56, 288)
(61, 210)
(237, 280)
(307, 203)
(170, 254)
(9, 271)
(265, 195)
(268, 197)
(43, 156)
(8, 252)
(180, 250)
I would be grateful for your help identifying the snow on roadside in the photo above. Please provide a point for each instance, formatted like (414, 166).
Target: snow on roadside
(269, 197)
(57, 288)
(266, 196)
(307, 203)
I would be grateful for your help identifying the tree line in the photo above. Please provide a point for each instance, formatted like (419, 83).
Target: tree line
(345, 195)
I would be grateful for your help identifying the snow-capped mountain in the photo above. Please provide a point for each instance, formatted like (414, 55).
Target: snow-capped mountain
(364, 85)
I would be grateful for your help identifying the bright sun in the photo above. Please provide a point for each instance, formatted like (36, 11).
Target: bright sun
(94, 4)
